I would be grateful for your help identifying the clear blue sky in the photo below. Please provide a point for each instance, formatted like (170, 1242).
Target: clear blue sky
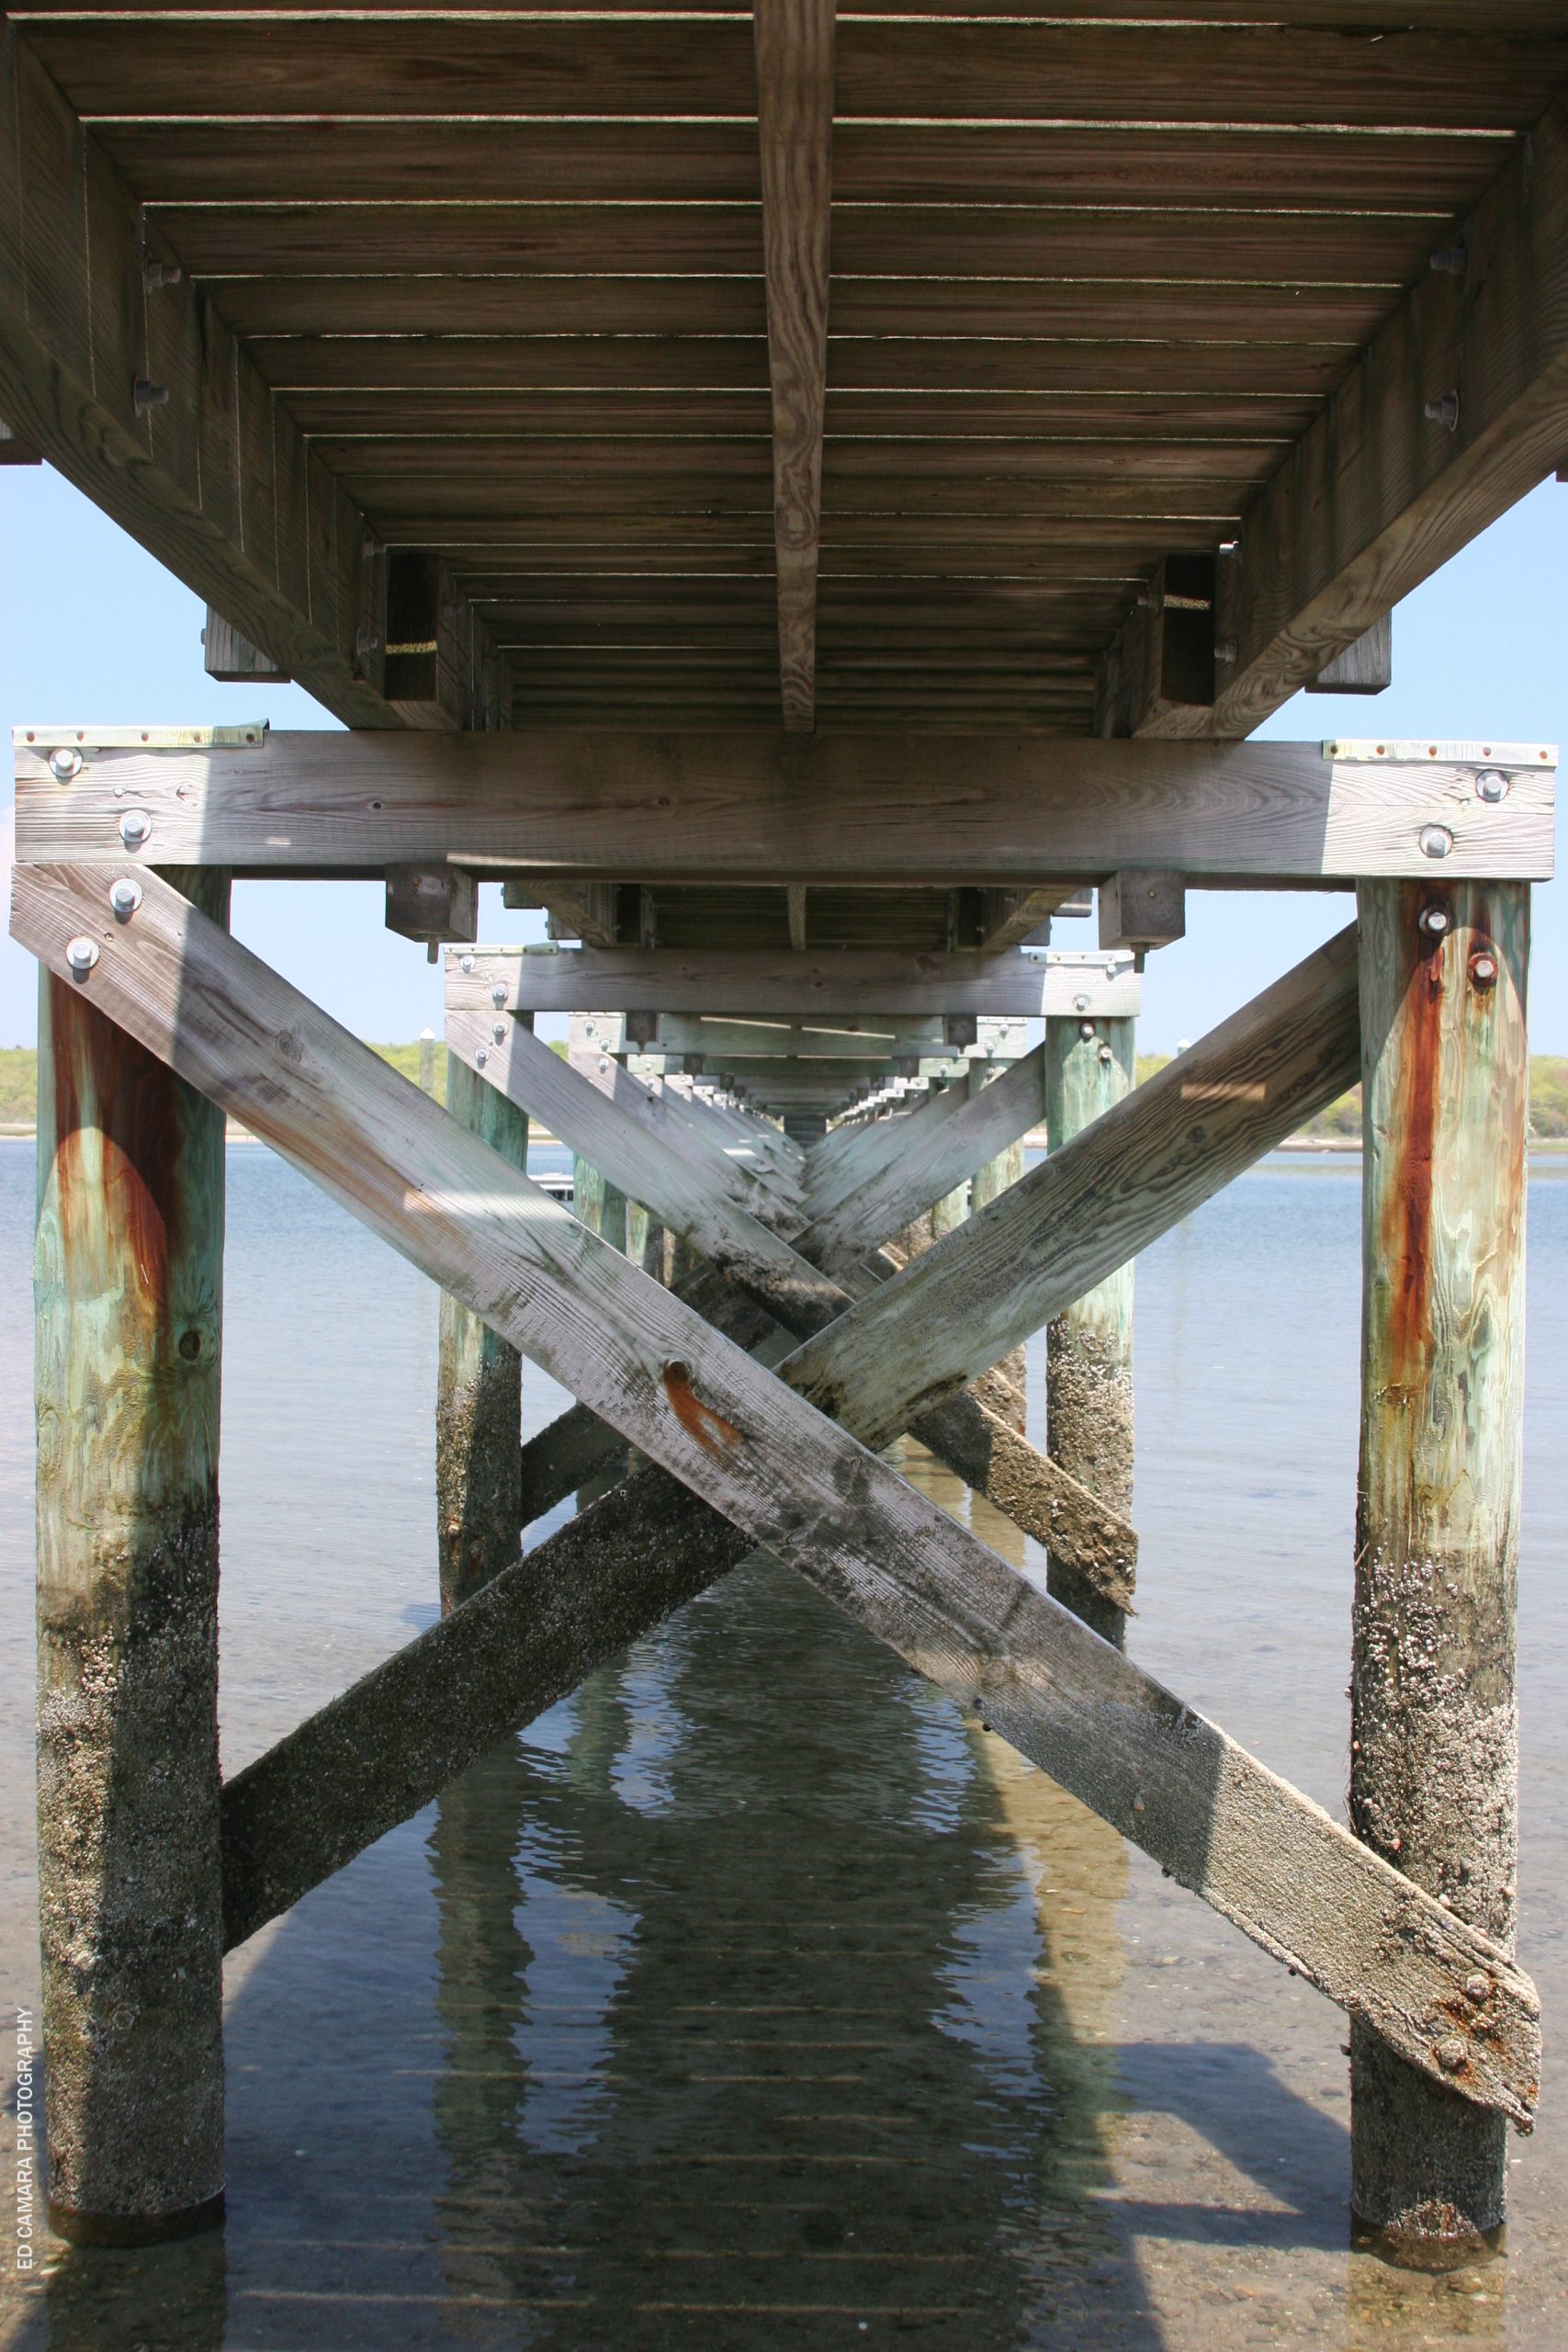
(92, 628)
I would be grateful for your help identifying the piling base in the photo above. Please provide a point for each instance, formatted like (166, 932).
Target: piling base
(136, 2229)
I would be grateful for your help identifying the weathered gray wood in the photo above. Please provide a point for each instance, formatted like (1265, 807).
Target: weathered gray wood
(1086, 1209)
(478, 1400)
(794, 134)
(756, 980)
(689, 1127)
(216, 480)
(804, 1488)
(1365, 666)
(991, 1180)
(1381, 490)
(696, 1206)
(432, 903)
(859, 1207)
(1433, 1759)
(129, 1287)
(1007, 918)
(1089, 1067)
(228, 656)
(870, 1037)
(775, 809)
(797, 911)
(1142, 910)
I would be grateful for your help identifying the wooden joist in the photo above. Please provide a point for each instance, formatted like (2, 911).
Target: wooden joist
(788, 1479)
(795, 129)
(760, 806)
(1455, 408)
(122, 373)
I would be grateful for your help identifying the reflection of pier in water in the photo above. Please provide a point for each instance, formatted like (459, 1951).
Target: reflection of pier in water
(768, 2005)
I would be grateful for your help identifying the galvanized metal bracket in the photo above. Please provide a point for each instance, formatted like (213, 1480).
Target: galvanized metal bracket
(250, 733)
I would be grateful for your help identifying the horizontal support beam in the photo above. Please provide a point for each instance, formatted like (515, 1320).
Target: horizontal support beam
(1451, 412)
(796, 1483)
(909, 985)
(762, 806)
(119, 370)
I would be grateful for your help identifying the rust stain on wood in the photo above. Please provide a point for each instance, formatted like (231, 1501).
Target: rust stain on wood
(1407, 1213)
(133, 1113)
(711, 1430)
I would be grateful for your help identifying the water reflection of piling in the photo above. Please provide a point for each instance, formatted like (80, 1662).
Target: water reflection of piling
(746, 2049)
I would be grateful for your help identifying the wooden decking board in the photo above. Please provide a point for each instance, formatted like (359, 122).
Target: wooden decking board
(961, 70)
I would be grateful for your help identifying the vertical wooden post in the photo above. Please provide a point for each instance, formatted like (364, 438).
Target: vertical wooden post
(597, 1204)
(1089, 1350)
(1434, 1767)
(129, 1302)
(998, 1176)
(478, 1408)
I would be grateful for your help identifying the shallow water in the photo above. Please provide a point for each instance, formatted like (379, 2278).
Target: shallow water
(755, 1996)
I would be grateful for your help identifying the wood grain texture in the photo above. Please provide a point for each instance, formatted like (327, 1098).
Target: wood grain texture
(1256, 1849)
(755, 804)
(215, 481)
(1434, 1758)
(1379, 495)
(795, 133)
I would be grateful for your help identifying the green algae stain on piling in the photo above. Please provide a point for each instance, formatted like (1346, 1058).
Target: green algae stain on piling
(128, 1298)
(1434, 1765)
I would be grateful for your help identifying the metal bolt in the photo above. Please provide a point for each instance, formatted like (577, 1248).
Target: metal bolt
(1491, 784)
(1080, 1004)
(1086, 1030)
(1435, 841)
(134, 828)
(1448, 261)
(467, 962)
(365, 641)
(161, 273)
(1435, 921)
(146, 395)
(125, 897)
(1452, 2054)
(82, 953)
(65, 763)
(482, 1057)
(1106, 1054)
(498, 994)
(1444, 410)
(1137, 1804)
(1224, 648)
(1479, 1987)
(499, 1033)
(1483, 969)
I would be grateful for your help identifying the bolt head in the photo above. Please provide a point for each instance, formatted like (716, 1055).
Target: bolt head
(1477, 1987)
(498, 995)
(65, 762)
(1452, 2054)
(499, 1033)
(134, 827)
(1080, 1004)
(1435, 841)
(82, 953)
(1435, 921)
(125, 896)
(1491, 784)
(467, 962)
(482, 1057)
(1086, 1030)
(1484, 970)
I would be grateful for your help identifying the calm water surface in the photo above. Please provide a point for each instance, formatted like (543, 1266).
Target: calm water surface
(755, 1996)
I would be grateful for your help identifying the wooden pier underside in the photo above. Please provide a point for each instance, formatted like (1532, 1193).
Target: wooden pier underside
(808, 500)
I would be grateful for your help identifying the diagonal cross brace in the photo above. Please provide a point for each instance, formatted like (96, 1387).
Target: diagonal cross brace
(966, 1432)
(792, 1481)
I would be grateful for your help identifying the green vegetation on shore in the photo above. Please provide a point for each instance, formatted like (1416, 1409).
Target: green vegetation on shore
(1341, 1122)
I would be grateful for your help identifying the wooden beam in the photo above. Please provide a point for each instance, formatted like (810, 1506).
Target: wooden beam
(797, 896)
(1009, 918)
(1142, 910)
(121, 371)
(966, 1432)
(754, 980)
(1161, 664)
(1451, 412)
(1169, 1146)
(1365, 667)
(793, 42)
(759, 806)
(1215, 1819)
(432, 903)
(233, 659)
(587, 911)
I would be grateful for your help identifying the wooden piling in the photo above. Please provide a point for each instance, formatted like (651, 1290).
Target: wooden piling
(479, 1412)
(996, 1177)
(129, 1302)
(1434, 1769)
(1089, 1350)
